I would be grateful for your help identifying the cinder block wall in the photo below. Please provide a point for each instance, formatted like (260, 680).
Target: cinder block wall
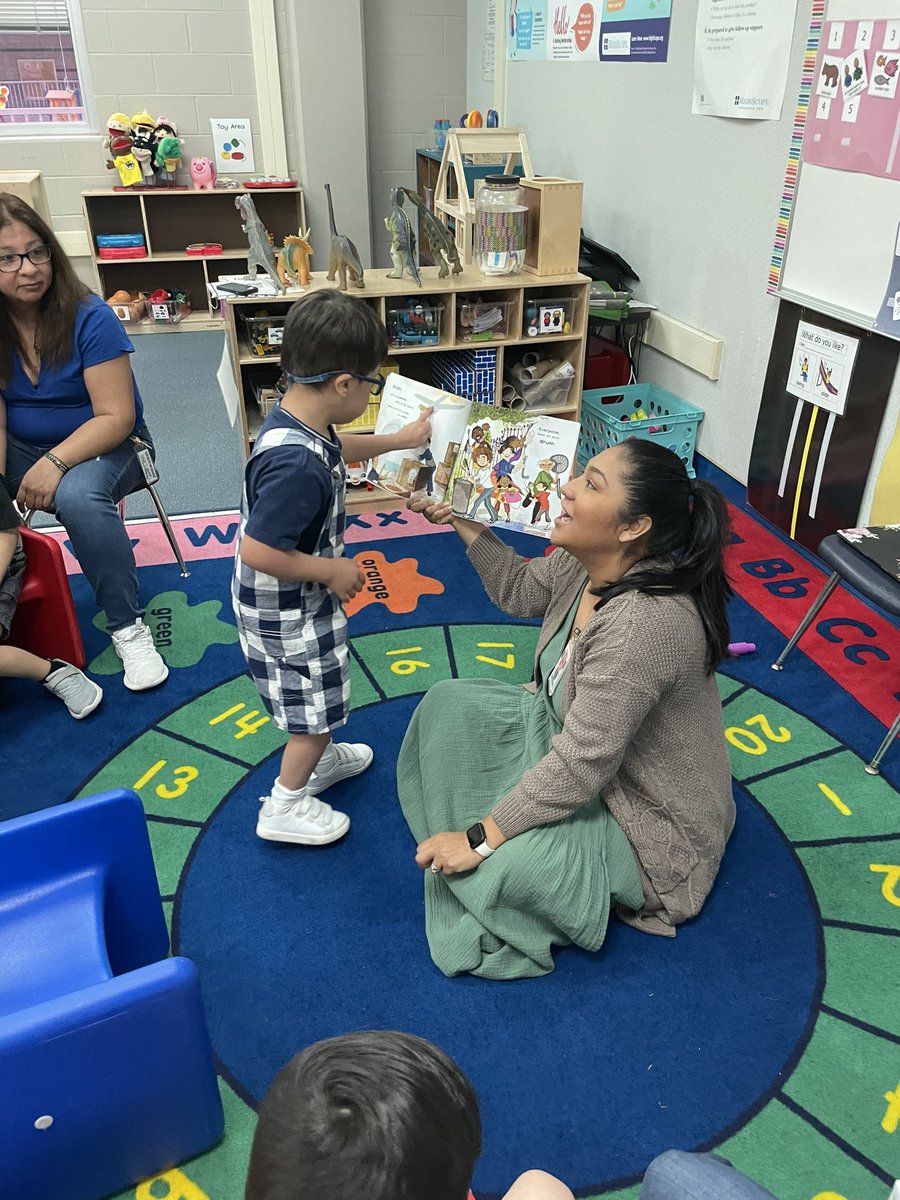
(188, 60)
(415, 71)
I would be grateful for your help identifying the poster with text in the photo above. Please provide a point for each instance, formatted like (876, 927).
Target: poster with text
(822, 367)
(741, 54)
(547, 30)
(232, 145)
(854, 115)
(635, 30)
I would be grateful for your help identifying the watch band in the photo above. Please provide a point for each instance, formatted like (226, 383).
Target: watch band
(484, 850)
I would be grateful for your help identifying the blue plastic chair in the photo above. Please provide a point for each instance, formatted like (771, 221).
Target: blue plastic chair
(106, 1073)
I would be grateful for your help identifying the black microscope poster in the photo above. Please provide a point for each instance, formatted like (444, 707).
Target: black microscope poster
(823, 402)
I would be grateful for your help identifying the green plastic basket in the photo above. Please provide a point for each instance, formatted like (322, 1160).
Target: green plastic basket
(605, 422)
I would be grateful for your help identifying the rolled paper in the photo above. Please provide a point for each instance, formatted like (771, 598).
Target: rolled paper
(507, 395)
(545, 367)
(517, 402)
(529, 358)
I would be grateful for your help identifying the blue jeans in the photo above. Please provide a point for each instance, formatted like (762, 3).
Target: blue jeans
(677, 1175)
(86, 506)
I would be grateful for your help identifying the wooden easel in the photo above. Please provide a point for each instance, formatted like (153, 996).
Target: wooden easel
(478, 144)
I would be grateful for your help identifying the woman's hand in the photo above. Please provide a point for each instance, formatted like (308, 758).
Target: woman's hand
(448, 853)
(437, 514)
(38, 486)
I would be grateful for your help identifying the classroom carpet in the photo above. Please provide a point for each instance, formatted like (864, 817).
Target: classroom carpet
(768, 1029)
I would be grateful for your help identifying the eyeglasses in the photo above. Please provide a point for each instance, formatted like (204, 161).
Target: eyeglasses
(376, 382)
(13, 262)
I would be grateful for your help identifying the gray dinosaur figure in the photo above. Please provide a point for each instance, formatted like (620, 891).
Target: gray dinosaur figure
(403, 240)
(260, 253)
(343, 259)
(440, 240)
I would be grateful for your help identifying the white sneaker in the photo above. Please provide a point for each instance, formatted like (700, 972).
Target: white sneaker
(79, 694)
(347, 759)
(306, 822)
(144, 667)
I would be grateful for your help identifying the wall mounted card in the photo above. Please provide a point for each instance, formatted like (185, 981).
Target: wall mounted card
(232, 145)
(822, 367)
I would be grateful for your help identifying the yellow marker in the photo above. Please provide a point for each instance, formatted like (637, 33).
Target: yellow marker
(891, 1118)
(180, 1188)
(838, 804)
(889, 886)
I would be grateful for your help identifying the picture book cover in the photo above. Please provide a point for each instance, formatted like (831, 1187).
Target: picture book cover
(511, 466)
(423, 469)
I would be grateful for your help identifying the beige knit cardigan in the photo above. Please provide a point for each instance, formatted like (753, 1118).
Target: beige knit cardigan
(642, 727)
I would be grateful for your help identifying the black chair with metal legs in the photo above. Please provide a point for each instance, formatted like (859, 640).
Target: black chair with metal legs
(872, 582)
(151, 478)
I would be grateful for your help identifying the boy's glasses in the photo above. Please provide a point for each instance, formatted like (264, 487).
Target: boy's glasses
(13, 262)
(376, 381)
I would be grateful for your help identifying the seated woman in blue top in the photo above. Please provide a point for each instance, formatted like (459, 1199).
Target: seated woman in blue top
(73, 414)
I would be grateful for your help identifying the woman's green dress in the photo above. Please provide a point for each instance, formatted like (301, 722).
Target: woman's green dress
(469, 742)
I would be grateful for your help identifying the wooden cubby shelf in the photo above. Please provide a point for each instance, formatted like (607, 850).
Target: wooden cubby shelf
(170, 220)
(471, 287)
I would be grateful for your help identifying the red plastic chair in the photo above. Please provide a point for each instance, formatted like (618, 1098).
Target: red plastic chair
(45, 622)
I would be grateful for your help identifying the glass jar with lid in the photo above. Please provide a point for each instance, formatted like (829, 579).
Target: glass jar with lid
(500, 218)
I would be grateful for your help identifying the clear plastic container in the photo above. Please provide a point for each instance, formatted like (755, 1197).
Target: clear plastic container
(500, 218)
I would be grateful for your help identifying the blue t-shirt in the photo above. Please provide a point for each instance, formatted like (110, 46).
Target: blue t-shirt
(46, 413)
(289, 490)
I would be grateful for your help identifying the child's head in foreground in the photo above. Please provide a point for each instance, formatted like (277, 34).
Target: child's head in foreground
(330, 331)
(376, 1115)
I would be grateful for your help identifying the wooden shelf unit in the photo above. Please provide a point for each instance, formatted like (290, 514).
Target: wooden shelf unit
(416, 361)
(171, 220)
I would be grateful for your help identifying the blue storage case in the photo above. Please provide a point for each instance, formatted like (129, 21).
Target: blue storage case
(119, 241)
(605, 421)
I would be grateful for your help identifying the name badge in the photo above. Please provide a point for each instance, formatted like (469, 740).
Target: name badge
(560, 669)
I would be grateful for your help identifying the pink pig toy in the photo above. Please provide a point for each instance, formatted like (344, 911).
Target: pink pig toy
(203, 174)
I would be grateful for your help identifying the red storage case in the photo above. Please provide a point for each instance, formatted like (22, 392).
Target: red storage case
(606, 365)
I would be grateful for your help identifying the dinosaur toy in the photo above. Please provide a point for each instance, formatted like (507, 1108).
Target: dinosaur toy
(293, 260)
(343, 259)
(441, 242)
(260, 252)
(403, 240)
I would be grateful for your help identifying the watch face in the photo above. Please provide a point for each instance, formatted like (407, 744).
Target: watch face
(475, 834)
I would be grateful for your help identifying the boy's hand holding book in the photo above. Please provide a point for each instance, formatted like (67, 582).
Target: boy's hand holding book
(416, 433)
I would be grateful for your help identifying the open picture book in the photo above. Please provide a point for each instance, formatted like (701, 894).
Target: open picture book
(494, 465)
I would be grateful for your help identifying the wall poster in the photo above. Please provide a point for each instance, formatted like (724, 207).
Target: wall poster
(741, 54)
(621, 30)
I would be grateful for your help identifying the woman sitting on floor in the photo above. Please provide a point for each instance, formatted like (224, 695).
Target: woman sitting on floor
(74, 421)
(608, 782)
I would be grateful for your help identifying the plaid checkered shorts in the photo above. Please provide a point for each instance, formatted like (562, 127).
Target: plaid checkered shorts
(302, 672)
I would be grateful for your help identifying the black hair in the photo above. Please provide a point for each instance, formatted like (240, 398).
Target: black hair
(689, 531)
(329, 331)
(59, 304)
(378, 1114)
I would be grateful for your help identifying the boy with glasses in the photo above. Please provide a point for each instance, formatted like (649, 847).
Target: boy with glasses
(291, 578)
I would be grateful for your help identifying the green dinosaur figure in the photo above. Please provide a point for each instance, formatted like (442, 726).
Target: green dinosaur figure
(441, 242)
(403, 240)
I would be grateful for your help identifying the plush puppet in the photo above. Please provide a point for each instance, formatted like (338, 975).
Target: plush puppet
(143, 144)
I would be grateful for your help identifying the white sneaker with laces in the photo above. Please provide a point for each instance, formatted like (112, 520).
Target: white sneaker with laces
(79, 694)
(144, 667)
(345, 760)
(305, 822)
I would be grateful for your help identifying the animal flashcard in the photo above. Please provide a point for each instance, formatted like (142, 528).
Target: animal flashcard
(885, 74)
(829, 75)
(854, 77)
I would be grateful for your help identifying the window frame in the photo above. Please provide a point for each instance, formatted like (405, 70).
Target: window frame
(28, 130)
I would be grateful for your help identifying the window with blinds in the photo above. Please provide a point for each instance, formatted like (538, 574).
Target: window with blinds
(40, 81)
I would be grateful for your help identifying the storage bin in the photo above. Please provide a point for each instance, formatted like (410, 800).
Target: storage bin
(606, 420)
(482, 320)
(264, 333)
(548, 315)
(169, 311)
(416, 323)
(367, 419)
(266, 398)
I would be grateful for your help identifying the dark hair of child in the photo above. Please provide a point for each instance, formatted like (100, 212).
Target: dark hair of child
(59, 304)
(375, 1115)
(329, 331)
(690, 528)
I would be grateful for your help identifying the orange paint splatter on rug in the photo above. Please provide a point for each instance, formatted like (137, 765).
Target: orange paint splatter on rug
(396, 585)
